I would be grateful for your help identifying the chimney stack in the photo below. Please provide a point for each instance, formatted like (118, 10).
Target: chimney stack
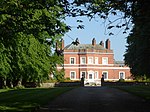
(101, 43)
(107, 44)
(93, 42)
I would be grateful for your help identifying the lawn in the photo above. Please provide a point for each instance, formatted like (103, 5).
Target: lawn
(26, 100)
(141, 91)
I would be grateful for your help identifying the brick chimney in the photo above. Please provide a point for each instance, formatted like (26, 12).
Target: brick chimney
(62, 43)
(93, 42)
(101, 43)
(107, 44)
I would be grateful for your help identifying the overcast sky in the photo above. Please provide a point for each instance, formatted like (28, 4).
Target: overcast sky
(96, 29)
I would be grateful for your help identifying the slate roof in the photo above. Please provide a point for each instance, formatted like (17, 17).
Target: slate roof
(121, 63)
(85, 46)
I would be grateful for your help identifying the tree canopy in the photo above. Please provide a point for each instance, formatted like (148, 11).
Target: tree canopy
(138, 50)
(24, 27)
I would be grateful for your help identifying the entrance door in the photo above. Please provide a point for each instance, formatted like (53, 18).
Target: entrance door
(91, 77)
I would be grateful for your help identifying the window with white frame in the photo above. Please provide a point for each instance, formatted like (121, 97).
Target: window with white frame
(96, 60)
(105, 74)
(83, 74)
(90, 60)
(83, 60)
(104, 60)
(72, 75)
(96, 74)
(72, 60)
(121, 75)
(90, 76)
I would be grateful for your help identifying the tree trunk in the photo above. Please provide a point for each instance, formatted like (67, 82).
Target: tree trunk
(19, 84)
(5, 83)
(11, 84)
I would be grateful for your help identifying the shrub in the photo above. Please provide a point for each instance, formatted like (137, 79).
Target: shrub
(121, 80)
(19, 87)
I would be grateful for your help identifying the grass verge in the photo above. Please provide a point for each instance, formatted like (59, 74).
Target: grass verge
(26, 100)
(141, 91)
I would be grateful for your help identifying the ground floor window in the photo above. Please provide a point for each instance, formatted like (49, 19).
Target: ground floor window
(121, 75)
(105, 74)
(96, 75)
(83, 74)
(72, 75)
(90, 76)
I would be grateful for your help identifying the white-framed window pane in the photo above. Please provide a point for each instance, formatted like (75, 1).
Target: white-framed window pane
(96, 60)
(105, 74)
(90, 60)
(72, 60)
(96, 75)
(90, 76)
(121, 75)
(83, 60)
(72, 75)
(104, 60)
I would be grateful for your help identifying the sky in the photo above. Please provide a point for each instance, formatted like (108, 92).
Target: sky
(96, 29)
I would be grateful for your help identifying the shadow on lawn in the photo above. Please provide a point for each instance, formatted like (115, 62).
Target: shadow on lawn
(18, 107)
(19, 100)
(26, 100)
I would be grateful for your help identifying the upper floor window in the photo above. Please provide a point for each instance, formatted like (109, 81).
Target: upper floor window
(72, 75)
(90, 60)
(96, 60)
(83, 60)
(104, 60)
(121, 75)
(72, 60)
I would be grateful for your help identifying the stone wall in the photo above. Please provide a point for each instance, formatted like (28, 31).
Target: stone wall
(67, 84)
(61, 84)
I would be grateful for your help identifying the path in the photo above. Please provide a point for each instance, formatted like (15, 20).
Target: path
(97, 99)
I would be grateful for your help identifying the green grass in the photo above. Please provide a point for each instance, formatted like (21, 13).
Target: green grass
(141, 91)
(26, 100)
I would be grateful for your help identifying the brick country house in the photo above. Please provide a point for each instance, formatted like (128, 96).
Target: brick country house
(91, 61)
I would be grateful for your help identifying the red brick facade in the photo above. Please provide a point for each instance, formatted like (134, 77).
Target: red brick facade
(91, 61)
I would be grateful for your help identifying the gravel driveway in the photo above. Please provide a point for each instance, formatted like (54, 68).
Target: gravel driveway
(97, 99)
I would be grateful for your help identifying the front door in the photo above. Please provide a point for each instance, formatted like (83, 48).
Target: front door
(91, 77)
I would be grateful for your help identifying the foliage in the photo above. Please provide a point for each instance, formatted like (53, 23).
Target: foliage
(59, 75)
(25, 26)
(138, 50)
(142, 79)
(121, 10)
(121, 80)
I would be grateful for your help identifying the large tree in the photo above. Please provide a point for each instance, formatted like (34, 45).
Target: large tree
(138, 50)
(24, 27)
